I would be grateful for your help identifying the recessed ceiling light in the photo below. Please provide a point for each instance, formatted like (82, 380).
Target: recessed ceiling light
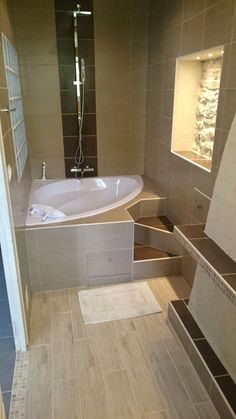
(210, 55)
(198, 58)
(222, 52)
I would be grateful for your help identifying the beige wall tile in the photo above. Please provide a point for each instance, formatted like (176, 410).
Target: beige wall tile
(114, 262)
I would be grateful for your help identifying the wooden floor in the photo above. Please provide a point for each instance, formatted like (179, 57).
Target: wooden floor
(122, 369)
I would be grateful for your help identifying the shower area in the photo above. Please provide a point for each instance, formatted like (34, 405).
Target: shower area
(84, 76)
(75, 46)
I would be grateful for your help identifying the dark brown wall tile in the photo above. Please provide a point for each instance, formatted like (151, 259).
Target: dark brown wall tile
(70, 125)
(68, 101)
(90, 101)
(67, 77)
(72, 4)
(64, 25)
(209, 356)
(229, 389)
(89, 146)
(89, 125)
(65, 49)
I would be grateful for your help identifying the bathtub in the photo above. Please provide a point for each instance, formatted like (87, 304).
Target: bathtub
(77, 198)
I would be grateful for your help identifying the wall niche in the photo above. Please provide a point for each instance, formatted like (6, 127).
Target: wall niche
(197, 84)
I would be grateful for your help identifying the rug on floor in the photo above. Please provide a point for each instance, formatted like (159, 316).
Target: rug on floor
(116, 302)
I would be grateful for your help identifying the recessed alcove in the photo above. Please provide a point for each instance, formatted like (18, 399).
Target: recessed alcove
(197, 83)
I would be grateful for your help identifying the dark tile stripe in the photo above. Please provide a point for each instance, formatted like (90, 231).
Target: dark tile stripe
(228, 387)
(65, 46)
(187, 319)
(211, 359)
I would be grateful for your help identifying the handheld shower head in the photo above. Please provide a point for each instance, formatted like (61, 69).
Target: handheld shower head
(83, 71)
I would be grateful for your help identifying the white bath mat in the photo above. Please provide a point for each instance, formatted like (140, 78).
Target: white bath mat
(116, 302)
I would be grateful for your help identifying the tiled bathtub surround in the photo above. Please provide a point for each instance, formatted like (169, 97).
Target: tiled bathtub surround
(66, 62)
(81, 255)
(177, 28)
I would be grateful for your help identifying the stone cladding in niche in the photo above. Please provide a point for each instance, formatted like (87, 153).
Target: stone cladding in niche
(207, 103)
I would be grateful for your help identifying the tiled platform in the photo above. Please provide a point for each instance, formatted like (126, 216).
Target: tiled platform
(215, 377)
(146, 253)
(203, 249)
(161, 222)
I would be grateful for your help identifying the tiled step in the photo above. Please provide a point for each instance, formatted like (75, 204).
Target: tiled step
(161, 222)
(146, 253)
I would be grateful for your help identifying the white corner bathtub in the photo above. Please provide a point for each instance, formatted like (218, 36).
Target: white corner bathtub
(77, 198)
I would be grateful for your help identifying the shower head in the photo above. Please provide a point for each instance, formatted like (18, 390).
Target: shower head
(81, 12)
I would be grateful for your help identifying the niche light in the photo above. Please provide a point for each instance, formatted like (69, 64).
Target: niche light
(198, 58)
(210, 55)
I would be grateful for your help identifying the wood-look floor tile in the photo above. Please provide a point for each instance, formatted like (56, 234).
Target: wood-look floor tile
(123, 326)
(91, 382)
(147, 330)
(64, 365)
(145, 386)
(60, 302)
(207, 411)
(108, 348)
(183, 365)
(186, 371)
(175, 395)
(156, 415)
(79, 328)
(66, 401)
(120, 398)
(39, 385)
(40, 323)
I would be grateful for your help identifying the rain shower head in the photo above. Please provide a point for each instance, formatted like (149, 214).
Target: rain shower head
(81, 12)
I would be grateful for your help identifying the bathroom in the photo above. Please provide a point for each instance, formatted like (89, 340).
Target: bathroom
(117, 178)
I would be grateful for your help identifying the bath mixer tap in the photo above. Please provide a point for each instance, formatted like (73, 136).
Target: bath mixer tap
(82, 170)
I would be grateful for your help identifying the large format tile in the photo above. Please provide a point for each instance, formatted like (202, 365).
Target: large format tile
(39, 386)
(91, 382)
(145, 387)
(207, 411)
(120, 398)
(66, 400)
(175, 395)
(40, 324)
(63, 350)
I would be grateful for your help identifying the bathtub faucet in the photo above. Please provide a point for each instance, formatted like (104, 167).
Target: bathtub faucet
(82, 170)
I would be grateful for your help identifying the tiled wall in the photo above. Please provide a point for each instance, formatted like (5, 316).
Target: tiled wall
(120, 60)
(7, 346)
(19, 191)
(36, 41)
(66, 61)
(177, 28)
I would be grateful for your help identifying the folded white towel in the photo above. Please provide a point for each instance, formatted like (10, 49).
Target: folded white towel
(46, 212)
